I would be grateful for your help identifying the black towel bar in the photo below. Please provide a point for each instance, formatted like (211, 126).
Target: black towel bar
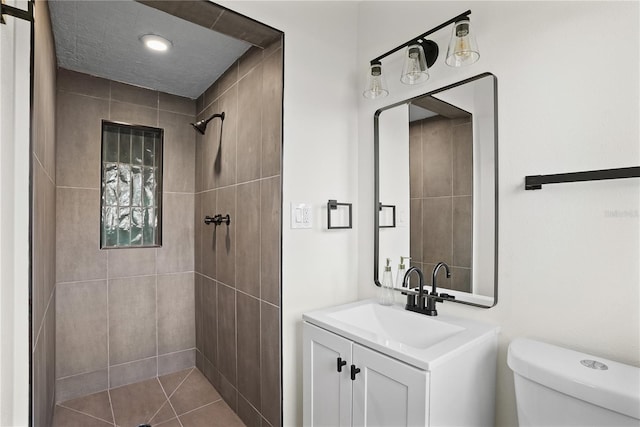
(535, 182)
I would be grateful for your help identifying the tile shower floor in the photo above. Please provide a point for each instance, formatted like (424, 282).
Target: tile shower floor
(182, 399)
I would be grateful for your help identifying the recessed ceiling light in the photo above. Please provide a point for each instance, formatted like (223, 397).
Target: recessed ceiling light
(156, 43)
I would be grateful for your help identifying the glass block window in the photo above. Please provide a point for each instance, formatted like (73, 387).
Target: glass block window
(131, 208)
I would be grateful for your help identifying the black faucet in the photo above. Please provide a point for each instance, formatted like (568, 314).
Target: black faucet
(433, 298)
(411, 299)
(418, 304)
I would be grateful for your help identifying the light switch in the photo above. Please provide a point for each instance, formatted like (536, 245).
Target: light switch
(402, 221)
(301, 216)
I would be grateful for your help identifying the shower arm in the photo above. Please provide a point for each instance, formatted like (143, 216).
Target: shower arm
(201, 125)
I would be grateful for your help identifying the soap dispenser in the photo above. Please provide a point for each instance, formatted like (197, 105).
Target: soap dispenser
(386, 290)
(402, 270)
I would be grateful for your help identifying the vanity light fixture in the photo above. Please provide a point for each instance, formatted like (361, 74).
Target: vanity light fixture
(415, 70)
(377, 86)
(156, 43)
(463, 48)
(422, 53)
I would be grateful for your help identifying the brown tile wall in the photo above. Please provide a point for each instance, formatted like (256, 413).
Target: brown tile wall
(43, 231)
(238, 266)
(441, 191)
(123, 315)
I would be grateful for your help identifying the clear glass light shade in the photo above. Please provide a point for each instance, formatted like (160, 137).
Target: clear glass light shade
(414, 70)
(377, 85)
(463, 48)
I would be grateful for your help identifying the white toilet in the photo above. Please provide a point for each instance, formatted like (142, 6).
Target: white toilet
(560, 387)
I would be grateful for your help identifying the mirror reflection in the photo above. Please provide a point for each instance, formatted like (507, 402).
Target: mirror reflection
(436, 180)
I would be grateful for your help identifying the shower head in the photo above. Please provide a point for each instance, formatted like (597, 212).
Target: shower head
(201, 125)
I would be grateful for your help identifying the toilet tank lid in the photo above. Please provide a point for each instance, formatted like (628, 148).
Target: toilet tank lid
(616, 388)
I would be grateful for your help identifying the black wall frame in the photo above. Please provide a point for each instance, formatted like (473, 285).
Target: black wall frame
(393, 213)
(332, 205)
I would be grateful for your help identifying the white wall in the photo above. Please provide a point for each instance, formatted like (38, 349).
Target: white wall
(568, 101)
(394, 186)
(478, 99)
(320, 134)
(14, 220)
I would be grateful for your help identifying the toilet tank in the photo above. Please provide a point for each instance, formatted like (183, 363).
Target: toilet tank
(556, 386)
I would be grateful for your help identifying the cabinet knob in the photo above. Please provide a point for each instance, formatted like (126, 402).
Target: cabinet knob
(341, 363)
(354, 371)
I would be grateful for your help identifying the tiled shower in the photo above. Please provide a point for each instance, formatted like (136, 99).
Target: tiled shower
(210, 296)
(123, 315)
(441, 197)
(238, 265)
(43, 231)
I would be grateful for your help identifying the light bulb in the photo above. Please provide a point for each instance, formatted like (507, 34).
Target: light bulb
(377, 86)
(155, 43)
(463, 49)
(414, 70)
(462, 44)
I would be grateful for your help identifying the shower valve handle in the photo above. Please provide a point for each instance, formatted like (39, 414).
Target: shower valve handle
(217, 219)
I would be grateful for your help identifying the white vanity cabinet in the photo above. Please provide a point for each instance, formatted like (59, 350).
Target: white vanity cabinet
(383, 392)
(371, 365)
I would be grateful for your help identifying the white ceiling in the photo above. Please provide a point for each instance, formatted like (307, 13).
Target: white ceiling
(101, 38)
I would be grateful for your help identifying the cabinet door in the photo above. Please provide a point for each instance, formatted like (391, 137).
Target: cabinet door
(327, 392)
(387, 392)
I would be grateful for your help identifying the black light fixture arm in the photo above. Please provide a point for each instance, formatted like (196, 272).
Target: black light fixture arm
(5, 9)
(421, 36)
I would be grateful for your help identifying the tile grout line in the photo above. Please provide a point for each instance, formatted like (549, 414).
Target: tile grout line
(72, 187)
(109, 100)
(239, 290)
(216, 351)
(260, 225)
(156, 280)
(235, 245)
(181, 382)
(203, 406)
(441, 197)
(126, 363)
(170, 273)
(264, 178)
(113, 415)
(165, 403)
(43, 168)
(108, 320)
(261, 367)
(83, 413)
(452, 213)
(169, 397)
(108, 335)
(42, 322)
(422, 191)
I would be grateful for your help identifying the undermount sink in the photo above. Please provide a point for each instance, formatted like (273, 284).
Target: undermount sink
(417, 339)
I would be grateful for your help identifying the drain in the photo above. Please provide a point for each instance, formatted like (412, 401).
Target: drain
(594, 364)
